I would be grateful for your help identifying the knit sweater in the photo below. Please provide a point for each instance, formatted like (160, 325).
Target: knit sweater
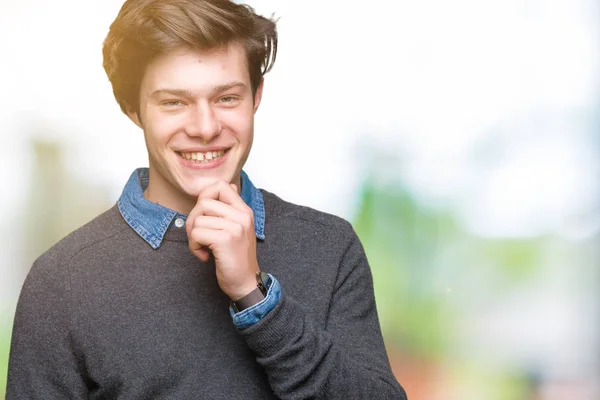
(102, 315)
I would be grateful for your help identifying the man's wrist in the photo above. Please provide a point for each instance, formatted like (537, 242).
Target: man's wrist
(243, 292)
(255, 296)
(243, 288)
(252, 298)
(254, 314)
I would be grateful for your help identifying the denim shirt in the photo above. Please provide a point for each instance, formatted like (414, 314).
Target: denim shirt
(151, 221)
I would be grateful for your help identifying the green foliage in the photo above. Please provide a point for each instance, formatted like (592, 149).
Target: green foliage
(518, 259)
(428, 271)
(5, 333)
(468, 380)
(401, 240)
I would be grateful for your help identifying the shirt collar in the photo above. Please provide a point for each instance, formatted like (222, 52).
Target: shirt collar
(151, 220)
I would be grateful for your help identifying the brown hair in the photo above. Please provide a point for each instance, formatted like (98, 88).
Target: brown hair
(145, 29)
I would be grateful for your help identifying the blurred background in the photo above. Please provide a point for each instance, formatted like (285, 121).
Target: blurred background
(462, 139)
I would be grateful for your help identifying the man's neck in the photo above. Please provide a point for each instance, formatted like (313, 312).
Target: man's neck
(166, 199)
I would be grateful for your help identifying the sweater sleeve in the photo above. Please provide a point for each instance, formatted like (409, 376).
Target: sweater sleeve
(344, 360)
(43, 362)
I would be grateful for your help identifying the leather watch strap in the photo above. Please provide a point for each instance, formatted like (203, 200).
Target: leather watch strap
(252, 298)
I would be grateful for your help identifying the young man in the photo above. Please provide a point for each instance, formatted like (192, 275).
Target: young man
(197, 285)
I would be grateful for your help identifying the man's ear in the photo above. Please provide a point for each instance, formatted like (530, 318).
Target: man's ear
(134, 116)
(258, 94)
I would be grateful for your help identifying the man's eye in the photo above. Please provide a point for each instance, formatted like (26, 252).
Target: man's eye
(172, 103)
(227, 99)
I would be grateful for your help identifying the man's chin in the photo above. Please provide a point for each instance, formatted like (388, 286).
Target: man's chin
(194, 188)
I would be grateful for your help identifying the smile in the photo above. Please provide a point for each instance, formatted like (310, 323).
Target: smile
(205, 157)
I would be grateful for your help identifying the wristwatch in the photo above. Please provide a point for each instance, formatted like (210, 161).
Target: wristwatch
(255, 296)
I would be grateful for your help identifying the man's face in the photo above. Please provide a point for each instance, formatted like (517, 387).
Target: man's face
(197, 113)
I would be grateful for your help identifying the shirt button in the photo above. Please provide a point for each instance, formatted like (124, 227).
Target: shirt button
(179, 222)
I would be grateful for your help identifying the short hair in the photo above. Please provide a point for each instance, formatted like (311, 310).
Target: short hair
(145, 29)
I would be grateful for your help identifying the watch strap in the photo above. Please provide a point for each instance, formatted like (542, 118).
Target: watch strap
(255, 296)
(252, 298)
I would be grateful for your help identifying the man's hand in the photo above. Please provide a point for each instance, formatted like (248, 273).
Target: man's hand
(222, 223)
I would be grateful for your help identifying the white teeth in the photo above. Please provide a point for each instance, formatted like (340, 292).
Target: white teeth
(203, 157)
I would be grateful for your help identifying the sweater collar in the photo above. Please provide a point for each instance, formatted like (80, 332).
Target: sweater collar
(151, 220)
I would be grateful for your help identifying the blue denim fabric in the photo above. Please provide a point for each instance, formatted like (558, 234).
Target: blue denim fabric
(148, 219)
(151, 221)
(252, 315)
(254, 199)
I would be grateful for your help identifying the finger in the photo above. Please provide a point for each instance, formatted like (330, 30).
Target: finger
(208, 231)
(217, 223)
(205, 237)
(222, 191)
(210, 207)
(228, 230)
(203, 253)
(215, 208)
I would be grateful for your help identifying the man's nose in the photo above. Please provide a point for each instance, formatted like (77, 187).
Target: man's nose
(204, 123)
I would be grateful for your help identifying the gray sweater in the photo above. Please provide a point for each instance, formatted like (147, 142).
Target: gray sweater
(104, 316)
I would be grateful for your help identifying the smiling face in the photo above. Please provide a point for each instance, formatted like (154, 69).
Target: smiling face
(197, 113)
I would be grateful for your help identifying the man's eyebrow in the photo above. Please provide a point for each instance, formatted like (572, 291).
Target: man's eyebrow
(174, 92)
(222, 88)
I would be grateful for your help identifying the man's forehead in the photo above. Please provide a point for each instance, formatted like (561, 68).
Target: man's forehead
(197, 70)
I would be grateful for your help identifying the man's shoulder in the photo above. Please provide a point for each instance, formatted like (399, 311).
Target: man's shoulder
(103, 227)
(280, 211)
